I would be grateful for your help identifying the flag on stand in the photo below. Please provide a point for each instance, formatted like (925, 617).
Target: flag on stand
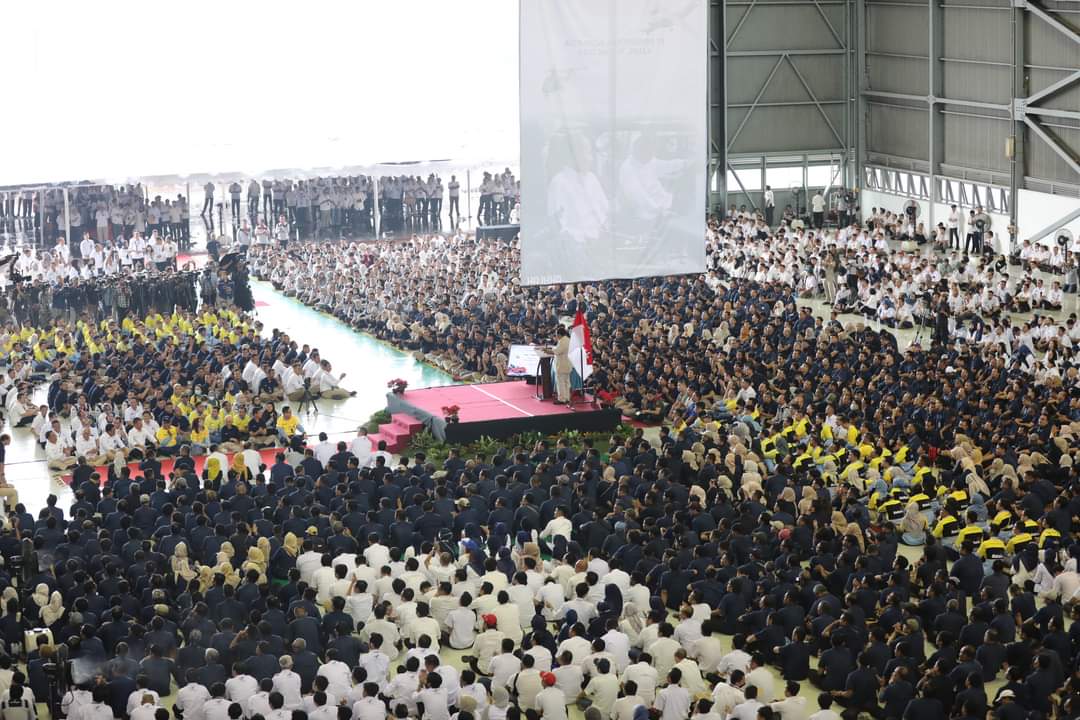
(581, 347)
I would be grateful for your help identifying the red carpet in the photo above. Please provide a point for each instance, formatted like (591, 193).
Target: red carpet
(487, 401)
(167, 465)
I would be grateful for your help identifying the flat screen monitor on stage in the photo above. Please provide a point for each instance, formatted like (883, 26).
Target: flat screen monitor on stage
(613, 138)
(524, 359)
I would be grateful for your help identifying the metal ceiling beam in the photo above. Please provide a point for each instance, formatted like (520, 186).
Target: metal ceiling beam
(1062, 152)
(738, 25)
(1055, 225)
(1052, 112)
(774, 53)
(741, 187)
(1038, 11)
(1018, 161)
(836, 36)
(1053, 88)
(761, 92)
(813, 97)
(935, 136)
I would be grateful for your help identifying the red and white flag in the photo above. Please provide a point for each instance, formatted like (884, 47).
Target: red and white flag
(581, 347)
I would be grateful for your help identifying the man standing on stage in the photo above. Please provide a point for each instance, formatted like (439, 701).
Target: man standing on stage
(562, 367)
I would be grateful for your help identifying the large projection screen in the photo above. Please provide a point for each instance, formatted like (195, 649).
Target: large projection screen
(613, 138)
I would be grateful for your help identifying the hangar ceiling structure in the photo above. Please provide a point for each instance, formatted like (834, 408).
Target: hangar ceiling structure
(965, 101)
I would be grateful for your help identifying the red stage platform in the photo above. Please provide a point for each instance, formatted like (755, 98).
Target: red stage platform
(498, 410)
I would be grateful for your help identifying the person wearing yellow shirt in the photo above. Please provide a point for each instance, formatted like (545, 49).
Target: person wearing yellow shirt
(946, 526)
(974, 533)
(991, 548)
(200, 437)
(167, 437)
(287, 425)
(241, 421)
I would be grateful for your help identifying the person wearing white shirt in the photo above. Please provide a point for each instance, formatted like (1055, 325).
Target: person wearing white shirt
(746, 710)
(559, 526)
(551, 701)
(308, 563)
(708, 651)
(323, 452)
(644, 677)
(241, 688)
(361, 447)
(287, 683)
(375, 662)
(793, 706)
(140, 696)
(826, 712)
(663, 649)
(692, 679)
(57, 456)
(817, 206)
(370, 707)
(504, 666)
(954, 227)
(673, 701)
(626, 705)
(726, 695)
(74, 699)
(433, 697)
(190, 699)
(402, 688)
(337, 674)
(461, 624)
(86, 247)
(99, 709)
(770, 205)
(761, 678)
(603, 689)
(359, 602)
(737, 659)
(569, 677)
(688, 631)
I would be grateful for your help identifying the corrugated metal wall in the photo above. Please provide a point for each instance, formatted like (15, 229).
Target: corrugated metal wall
(977, 69)
(785, 75)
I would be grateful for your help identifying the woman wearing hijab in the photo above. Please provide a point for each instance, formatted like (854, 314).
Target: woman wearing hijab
(212, 472)
(505, 564)
(474, 557)
(632, 623)
(38, 599)
(499, 708)
(569, 620)
(255, 561)
(854, 531)
(206, 578)
(53, 611)
(541, 635)
(238, 470)
(785, 506)
(181, 565)
(913, 525)
(225, 567)
(839, 522)
(284, 558)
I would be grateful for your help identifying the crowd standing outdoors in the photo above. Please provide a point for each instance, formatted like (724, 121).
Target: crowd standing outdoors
(829, 525)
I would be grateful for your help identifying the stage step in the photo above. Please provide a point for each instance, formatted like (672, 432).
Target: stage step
(393, 444)
(407, 421)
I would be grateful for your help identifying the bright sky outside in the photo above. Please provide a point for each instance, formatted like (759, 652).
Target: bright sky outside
(121, 89)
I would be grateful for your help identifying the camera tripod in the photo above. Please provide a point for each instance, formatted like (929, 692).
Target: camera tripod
(307, 400)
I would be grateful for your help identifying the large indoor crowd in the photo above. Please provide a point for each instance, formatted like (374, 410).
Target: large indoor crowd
(832, 521)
